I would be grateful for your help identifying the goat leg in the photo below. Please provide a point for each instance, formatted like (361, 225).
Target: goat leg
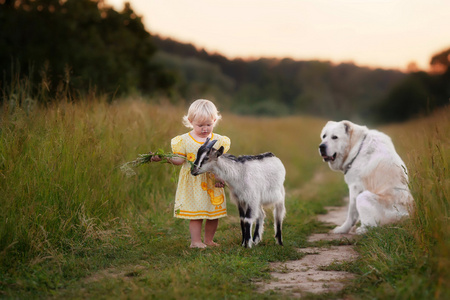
(278, 233)
(247, 233)
(242, 217)
(278, 213)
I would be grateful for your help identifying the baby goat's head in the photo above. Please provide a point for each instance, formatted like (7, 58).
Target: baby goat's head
(206, 156)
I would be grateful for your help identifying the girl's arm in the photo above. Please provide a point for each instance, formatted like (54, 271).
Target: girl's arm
(174, 160)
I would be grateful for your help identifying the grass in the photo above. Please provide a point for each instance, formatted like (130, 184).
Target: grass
(73, 226)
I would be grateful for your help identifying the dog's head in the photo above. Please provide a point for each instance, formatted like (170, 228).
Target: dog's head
(336, 143)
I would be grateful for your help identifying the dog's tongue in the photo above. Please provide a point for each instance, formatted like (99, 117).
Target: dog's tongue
(328, 158)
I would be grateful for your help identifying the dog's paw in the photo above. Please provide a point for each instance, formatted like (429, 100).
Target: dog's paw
(361, 230)
(340, 229)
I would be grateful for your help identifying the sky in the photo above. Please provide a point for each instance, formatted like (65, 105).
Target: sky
(372, 33)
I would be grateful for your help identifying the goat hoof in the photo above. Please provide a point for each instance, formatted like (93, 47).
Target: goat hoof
(247, 244)
(279, 241)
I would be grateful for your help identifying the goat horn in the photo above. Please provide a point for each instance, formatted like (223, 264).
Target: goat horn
(205, 144)
(210, 144)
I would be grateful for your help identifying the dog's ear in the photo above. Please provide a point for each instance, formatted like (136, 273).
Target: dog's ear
(348, 127)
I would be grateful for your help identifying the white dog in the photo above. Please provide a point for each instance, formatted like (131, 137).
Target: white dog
(375, 174)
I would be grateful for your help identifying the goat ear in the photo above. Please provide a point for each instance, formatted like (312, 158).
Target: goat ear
(220, 151)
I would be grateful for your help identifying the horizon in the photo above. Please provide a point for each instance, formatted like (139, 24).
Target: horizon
(371, 33)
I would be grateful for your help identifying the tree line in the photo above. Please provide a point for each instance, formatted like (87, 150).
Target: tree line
(285, 86)
(419, 93)
(84, 45)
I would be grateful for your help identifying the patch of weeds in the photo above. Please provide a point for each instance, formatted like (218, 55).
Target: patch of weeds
(340, 266)
(344, 241)
(324, 296)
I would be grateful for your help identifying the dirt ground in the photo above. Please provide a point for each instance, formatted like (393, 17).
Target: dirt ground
(305, 275)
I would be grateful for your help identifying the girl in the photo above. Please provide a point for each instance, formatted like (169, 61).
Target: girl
(199, 197)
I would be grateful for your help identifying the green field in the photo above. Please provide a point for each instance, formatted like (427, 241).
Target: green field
(73, 226)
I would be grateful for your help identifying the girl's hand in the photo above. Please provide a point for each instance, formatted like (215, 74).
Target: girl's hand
(155, 158)
(219, 184)
(174, 160)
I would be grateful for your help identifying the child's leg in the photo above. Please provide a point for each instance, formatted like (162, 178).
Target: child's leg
(195, 228)
(210, 230)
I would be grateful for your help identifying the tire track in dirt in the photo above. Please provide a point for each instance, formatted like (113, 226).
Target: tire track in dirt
(303, 276)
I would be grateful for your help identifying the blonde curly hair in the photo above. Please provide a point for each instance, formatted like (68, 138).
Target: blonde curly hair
(201, 109)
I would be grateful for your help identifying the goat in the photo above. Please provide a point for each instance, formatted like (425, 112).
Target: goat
(254, 182)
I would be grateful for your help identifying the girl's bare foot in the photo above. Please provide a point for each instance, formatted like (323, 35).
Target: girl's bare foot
(212, 244)
(198, 245)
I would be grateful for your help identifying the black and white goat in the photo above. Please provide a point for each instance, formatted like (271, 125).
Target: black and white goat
(254, 182)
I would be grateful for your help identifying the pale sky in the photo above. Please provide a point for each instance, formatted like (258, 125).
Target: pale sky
(374, 33)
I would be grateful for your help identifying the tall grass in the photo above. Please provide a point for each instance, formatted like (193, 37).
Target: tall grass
(59, 176)
(429, 159)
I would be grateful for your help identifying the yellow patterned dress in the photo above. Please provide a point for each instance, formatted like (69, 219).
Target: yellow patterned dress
(196, 196)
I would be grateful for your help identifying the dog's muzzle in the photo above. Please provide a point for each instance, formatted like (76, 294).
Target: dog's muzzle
(323, 153)
(323, 149)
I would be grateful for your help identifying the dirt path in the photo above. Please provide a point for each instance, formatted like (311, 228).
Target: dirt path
(305, 275)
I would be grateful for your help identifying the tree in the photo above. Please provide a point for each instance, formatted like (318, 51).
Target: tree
(82, 42)
(440, 62)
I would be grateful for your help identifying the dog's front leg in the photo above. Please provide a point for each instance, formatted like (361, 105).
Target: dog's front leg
(352, 213)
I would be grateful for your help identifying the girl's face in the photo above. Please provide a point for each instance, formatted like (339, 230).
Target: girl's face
(203, 127)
